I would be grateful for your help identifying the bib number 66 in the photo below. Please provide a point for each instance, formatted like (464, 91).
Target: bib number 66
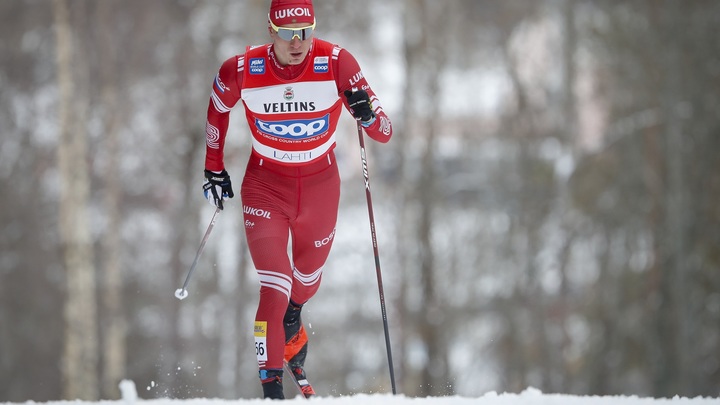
(260, 349)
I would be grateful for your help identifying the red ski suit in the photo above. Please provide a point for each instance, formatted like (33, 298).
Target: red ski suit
(291, 184)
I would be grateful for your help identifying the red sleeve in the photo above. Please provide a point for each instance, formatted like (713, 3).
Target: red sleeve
(350, 76)
(225, 94)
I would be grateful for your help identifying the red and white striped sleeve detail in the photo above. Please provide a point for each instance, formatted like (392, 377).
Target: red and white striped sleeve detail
(225, 94)
(349, 76)
(225, 89)
(217, 101)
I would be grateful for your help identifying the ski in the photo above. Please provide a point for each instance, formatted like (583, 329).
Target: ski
(303, 385)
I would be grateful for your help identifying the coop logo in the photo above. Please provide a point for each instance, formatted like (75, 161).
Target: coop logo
(321, 64)
(294, 129)
(257, 66)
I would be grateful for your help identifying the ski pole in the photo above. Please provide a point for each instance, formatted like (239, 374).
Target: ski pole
(366, 175)
(182, 293)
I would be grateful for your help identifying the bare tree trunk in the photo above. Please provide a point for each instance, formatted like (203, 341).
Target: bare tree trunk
(412, 52)
(114, 323)
(424, 54)
(563, 203)
(430, 323)
(80, 358)
(403, 228)
(678, 208)
(600, 375)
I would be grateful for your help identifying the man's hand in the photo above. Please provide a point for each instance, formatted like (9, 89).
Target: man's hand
(217, 187)
(361, 107)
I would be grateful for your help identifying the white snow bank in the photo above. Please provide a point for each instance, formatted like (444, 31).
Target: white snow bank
(530, 396)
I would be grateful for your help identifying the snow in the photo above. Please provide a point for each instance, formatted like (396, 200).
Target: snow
(530, 396)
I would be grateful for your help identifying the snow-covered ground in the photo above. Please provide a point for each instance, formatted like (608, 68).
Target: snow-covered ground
(530, 396)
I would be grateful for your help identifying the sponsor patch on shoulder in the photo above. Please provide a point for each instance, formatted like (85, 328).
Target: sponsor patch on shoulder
(257, 66)
(321, 64)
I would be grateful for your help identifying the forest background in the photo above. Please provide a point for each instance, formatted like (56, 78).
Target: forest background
(548, 210)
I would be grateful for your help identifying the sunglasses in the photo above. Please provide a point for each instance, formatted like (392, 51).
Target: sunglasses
(288, 34)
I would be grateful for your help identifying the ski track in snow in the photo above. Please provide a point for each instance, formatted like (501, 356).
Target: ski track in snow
(530, 396)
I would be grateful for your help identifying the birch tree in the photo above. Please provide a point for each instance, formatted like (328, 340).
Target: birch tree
(80, 356)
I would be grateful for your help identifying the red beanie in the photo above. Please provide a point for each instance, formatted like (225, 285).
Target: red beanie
(283, 12)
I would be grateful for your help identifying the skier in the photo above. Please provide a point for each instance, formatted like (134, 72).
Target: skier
(292, 90)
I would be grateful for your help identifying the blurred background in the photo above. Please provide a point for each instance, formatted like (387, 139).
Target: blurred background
(547, 211)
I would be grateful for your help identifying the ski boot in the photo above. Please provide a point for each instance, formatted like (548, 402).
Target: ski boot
(296, 345)
(272, 384)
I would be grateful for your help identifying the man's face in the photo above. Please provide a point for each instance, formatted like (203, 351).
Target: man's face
(294, 51)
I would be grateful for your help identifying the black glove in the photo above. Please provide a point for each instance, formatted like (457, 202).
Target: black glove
(217, 187)
(360, 105)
